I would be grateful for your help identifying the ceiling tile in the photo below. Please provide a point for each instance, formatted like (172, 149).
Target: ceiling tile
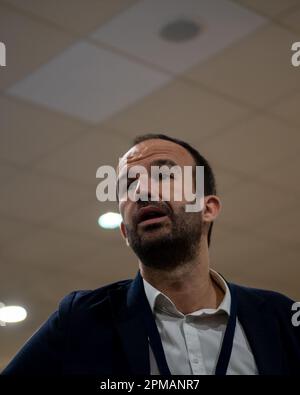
(49, 264)
(76, 16)
(89, 83)
(225, 180)
(46, 250)
(84, 220)
(220, 239)
(268, 7)
(250, 204)
(29, 44)
(179, 109)
(284, 175)
(283, 227)
(292, 19)
(252, 146)
(112, 262)
(288, 108)
(29, 132)
(256, 70)
(11, 230)
(43, 277)
(143, 22)
(257, 262)
(80, 159)
(37, 198)
(7, 173)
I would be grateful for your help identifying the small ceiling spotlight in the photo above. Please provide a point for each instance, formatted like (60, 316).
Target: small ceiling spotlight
(9, 314)
(110, 220)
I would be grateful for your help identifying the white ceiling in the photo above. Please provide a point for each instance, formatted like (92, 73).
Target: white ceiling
(107, 81)
(236, 99)
(136, 31)
(135, 60)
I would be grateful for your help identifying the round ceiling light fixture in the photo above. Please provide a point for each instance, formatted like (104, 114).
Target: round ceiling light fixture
(9, 314)
(110, 220)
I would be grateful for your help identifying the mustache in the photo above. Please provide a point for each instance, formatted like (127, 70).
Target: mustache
(160, 205)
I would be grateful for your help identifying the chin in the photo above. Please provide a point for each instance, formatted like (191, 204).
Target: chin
(154, 231)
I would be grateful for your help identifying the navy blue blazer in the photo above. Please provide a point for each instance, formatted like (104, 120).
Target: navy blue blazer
(100, 332)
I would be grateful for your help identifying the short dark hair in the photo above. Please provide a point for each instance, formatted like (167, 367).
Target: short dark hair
(210, 187)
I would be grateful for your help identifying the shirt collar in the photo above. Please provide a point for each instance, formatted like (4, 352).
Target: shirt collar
(160, 302)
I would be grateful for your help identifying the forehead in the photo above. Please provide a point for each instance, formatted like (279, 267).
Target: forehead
(147, 151)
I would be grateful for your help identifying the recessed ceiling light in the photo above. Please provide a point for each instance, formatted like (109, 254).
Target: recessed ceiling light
(110, 220)
(180, 30)
(12, 314)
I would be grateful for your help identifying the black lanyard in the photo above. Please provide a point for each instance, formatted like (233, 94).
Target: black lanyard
(225, 353)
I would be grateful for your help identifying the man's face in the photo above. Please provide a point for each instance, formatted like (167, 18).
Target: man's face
(161, 233)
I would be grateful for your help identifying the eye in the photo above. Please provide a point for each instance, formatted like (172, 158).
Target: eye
(129, 181)
(163, 176)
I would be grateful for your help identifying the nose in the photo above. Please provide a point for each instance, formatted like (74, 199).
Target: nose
(144, 190)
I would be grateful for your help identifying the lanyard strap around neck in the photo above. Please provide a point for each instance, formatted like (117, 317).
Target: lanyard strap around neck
(227, 343)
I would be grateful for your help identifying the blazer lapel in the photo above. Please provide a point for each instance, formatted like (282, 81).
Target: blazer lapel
(261, 330)
(127, 304)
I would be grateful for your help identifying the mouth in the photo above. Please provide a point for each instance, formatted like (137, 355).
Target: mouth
(151, 215)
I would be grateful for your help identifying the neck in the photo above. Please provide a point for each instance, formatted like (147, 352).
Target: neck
(189, 285)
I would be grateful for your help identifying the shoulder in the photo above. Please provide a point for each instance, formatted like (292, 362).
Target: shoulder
(83, 299)
(272, 300)
(264, 294)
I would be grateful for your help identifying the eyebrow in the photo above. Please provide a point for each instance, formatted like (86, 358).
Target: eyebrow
(156, 162)
(163, 162)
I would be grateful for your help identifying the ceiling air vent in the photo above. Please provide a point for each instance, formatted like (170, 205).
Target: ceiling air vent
(180, 30)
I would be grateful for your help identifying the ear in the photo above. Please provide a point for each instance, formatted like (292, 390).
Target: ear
(123, 233)
(212, 208)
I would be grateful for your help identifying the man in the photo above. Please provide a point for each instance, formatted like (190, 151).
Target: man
(177, 316)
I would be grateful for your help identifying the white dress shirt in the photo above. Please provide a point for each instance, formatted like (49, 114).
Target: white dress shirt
(192, 342)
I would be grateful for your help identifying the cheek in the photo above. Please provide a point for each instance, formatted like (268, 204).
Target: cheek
(171, 190)
(122, 206)
(177, 209)
(124, 211)
(177, 191)
(182, 191)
